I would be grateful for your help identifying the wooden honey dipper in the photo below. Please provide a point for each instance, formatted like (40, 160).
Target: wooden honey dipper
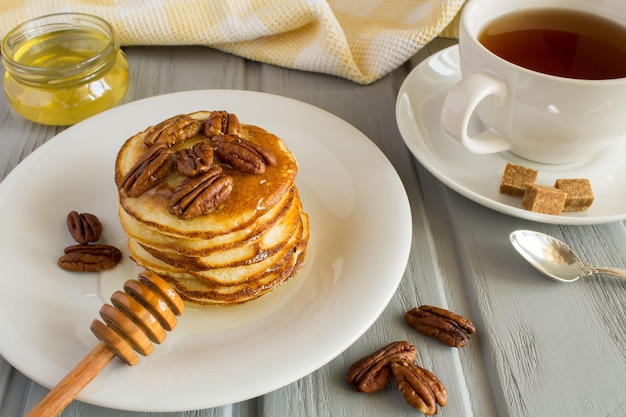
(138, 316)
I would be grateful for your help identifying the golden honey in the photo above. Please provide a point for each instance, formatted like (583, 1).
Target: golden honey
(63, 68)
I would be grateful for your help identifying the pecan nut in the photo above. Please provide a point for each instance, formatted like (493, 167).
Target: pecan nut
(373, 372)
(221, 123)
(90, 258)
(84, 227)
(202, 194)
(242, 154)
(420, 387)
(149, 170)
(447, 327)
(194, 160)
(174, 130)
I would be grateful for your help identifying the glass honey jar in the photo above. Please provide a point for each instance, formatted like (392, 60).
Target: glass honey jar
(63, 68)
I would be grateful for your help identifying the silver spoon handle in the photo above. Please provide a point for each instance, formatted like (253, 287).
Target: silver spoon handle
(610, 271)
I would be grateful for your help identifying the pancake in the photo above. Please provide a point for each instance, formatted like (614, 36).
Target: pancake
(265, 244)
(229, 275)
(196, 293)
(253, 195)
(211, 205)
(199, 292)
(203, 247)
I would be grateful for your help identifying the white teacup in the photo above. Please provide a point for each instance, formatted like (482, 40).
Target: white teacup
(542, 117)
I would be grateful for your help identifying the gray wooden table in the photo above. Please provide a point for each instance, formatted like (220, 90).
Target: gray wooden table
(542, 348)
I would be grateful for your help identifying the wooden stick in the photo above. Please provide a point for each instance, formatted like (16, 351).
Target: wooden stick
(143, 312)
(68, 388)
(148, 307)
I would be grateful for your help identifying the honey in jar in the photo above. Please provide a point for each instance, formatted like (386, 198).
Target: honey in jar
(63, 68)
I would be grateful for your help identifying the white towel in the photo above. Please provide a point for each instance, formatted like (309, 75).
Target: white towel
(361, 40)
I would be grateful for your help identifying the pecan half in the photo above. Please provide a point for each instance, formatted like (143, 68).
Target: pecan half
(221, 123)
(194, 160)
(149, 170)
(174, 130)
(420, 387)
(202, 194)
(84, 227)
(242, 154)
(90, 258)
(447, 327)
(373, 372)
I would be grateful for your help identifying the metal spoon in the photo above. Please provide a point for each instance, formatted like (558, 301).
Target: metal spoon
(554, 258)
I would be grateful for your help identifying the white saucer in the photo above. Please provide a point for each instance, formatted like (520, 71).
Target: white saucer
(477, 177)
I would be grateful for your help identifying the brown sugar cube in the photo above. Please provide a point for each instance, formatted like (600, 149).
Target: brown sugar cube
(516, 179)
(579, 193)
(544, 199)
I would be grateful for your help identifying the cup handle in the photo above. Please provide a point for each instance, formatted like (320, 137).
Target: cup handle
(459, 105)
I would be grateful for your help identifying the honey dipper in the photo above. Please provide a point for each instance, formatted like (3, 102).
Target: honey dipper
(139, 315)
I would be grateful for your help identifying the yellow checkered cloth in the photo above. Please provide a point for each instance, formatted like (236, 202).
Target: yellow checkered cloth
(361, 40)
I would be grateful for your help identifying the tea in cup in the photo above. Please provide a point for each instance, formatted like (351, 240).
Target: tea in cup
(547, 78)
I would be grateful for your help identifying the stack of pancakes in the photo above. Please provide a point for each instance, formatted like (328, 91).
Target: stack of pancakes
(246, 246)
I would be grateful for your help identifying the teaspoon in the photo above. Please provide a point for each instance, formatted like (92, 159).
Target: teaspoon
(554, 258)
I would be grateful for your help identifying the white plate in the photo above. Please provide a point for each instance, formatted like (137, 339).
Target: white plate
(477, 177)
(217, 355)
